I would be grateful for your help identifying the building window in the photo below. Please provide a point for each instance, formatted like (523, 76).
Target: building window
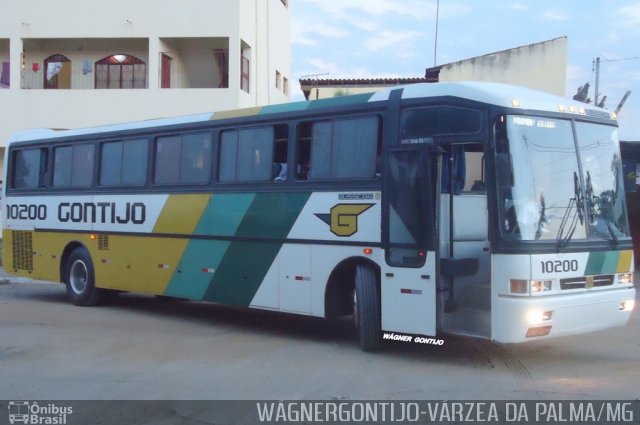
(165, 71)
(285, 85)
(278, 80)
(121, 72)
(57, 72)
(5, 75)
(222, 59)
(244, 85)
(245, 68)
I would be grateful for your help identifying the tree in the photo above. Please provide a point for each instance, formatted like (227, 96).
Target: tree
(582, 95)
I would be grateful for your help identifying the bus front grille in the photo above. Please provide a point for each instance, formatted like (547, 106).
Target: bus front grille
(588, 282)
(22, 251)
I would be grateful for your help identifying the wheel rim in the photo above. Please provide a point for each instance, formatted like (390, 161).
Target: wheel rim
(78, 276)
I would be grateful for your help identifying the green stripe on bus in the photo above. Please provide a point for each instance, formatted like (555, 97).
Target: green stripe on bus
(602, 262)
(201, 258)
(246, 263)
(610, 264)
(594, 263)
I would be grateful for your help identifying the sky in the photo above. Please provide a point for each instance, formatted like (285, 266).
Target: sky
(396, 38)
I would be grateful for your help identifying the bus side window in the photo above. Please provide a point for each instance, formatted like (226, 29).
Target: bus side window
(29, 168)
(339, 149)
(183, 159)
(303, 151)
(246, 155)
(73, 165)
(124, 163)
(280, 154)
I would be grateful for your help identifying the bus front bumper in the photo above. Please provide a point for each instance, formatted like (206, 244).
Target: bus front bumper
(519, 319)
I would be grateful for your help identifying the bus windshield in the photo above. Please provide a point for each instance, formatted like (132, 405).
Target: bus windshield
(553, 186)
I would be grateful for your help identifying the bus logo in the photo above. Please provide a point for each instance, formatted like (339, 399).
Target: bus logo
(589, 282)
(343, 218)
(18, 412)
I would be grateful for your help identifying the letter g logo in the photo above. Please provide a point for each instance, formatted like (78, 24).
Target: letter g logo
(343, 218)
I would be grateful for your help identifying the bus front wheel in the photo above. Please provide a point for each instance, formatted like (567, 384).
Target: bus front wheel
(366, 310)
(80, 279)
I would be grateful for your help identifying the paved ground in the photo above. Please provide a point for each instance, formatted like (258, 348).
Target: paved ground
(138, 347)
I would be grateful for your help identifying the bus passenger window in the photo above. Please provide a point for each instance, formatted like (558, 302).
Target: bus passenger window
(195, 164)
(280, 168)
(124, 163)
(183, 159)
(73, 166)
(28, 168)
(338, 149)
(247, 155)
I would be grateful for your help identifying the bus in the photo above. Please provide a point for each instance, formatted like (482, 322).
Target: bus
(477, 209)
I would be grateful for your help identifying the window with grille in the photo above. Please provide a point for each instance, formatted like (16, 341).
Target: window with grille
(244, 83)
(121, 72)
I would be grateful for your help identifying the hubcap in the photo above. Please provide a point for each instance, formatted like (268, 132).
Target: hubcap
(78, 276)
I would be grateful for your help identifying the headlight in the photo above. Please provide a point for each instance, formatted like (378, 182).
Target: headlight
(625, 278)
(540, 286)
(521, 286)
(535, 317)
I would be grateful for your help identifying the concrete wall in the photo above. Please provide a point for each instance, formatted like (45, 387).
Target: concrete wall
(541, 66)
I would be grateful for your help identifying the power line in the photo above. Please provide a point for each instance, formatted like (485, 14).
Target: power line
(620, 60)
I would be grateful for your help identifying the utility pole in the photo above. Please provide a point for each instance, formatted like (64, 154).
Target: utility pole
(597, 71)
(435, 46)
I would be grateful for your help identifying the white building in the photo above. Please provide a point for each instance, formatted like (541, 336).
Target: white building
(73, 63)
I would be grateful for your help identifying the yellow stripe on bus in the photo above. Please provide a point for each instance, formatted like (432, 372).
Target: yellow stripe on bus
(624, 262)
(181, 214)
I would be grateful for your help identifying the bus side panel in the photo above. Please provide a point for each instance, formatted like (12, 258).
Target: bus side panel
(248, 232)
(202, 256)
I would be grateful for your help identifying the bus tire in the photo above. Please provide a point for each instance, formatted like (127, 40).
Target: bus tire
(80, 279)
(367, 308)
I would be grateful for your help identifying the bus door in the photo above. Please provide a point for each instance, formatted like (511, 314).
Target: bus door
(408, 290)
(464, 280)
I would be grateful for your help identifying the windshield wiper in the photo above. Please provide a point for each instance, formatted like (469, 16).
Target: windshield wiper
(614, 238)
(577, 203)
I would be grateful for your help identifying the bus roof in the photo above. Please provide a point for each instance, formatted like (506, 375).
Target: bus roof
(498, 94)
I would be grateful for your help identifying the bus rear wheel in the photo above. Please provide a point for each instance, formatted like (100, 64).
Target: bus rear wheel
(80, 279)
(366, 309)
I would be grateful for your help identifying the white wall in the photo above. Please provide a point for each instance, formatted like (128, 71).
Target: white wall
(541, 66)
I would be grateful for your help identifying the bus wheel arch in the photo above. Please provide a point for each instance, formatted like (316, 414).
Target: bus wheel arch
(71, 246)
(338, 298)
(78, 274)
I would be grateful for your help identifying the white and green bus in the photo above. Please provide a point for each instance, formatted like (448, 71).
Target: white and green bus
(470, 208)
